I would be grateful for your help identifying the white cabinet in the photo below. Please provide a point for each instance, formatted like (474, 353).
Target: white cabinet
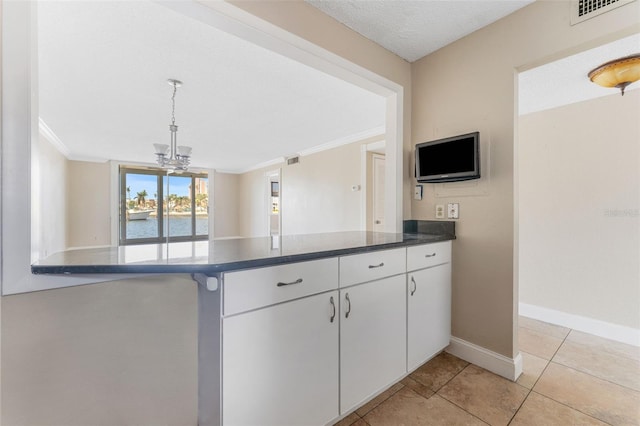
(372, 338)
(304, 343)
(428, 306)
(359, 268)
(280, 364)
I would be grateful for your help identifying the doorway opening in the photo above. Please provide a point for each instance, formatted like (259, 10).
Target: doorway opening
(274, 206)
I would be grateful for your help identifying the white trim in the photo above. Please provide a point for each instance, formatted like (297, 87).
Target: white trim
(509, 368)
(270, 163)
(363, 187)
(53, 139)
(356, 137)
(607, 330)
(377, 146)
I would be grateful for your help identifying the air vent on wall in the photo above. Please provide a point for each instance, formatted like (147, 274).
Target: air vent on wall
(293, 160)
(581, 10)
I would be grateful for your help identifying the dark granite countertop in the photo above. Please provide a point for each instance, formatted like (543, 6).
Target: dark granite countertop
(212, 257)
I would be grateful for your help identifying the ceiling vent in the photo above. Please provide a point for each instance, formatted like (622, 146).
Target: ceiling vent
(581, 10)
(293, 160)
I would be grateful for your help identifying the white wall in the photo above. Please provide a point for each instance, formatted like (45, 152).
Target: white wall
(579, 209)
(54, 198)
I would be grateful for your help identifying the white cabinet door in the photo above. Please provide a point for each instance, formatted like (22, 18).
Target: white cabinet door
(280, 364)
(429, 313)
(372, 338)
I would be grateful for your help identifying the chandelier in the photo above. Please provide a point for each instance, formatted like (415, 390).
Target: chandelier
(617, 73)
(173, 157)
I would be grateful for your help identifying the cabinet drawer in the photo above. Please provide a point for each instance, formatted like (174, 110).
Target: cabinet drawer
(359, 268)
(426, 255)
(255, 288)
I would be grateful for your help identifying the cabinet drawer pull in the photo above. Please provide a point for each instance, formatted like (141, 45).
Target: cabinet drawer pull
(415, 286)
(298, 281)
(430, 255)
(333, 305)
(346, 296)
(376, 266)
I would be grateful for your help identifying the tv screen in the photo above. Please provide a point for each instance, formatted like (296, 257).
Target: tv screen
(449, 160)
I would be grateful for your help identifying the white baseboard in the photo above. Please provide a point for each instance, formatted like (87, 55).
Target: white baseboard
(509, 368)
(596, 327)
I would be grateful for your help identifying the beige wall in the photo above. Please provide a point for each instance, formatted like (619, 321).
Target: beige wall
(470, 84)
(225, 205)
(579, 200)
(316, 194)
(54, 198)
(88, 208)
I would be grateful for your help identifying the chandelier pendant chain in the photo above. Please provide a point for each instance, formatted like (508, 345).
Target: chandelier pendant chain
(173, 103)
(173, 157)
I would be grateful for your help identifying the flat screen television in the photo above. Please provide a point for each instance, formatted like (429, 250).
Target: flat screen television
(449, 160)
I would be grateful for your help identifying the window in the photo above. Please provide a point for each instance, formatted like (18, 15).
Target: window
(156, 206)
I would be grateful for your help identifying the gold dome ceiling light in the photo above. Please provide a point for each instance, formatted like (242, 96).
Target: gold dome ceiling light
(617, 73)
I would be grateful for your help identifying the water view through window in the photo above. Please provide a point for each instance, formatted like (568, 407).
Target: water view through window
(154, 206)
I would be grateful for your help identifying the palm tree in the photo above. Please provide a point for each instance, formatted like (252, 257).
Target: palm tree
(142, 197)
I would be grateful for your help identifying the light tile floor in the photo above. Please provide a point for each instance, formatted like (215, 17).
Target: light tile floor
(569, 378)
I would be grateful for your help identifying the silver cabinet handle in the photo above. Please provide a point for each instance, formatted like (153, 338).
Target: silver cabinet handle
(346, 296)
(298, 281)
(430, 255)
(415, 286)
(376, 266)
(333, 305)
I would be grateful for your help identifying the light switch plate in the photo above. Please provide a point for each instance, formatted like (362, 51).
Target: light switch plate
(453, 211)
(417, 194)
(440, 211)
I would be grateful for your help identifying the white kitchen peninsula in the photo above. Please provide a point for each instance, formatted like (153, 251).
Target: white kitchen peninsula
(301, 329)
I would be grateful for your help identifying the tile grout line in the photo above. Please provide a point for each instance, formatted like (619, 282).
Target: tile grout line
(552, 399)
(451, 402)
(530, 390)
(595, 377)
(570, 407)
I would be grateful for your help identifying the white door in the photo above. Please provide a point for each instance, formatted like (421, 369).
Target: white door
(280, 364)
(429, 313)
(378, 192)
(372, 338)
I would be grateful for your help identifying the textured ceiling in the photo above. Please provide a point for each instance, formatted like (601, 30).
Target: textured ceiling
(565, 81)
(414, 28)
(103, 68)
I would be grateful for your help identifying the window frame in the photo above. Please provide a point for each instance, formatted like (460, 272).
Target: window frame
(123, 170)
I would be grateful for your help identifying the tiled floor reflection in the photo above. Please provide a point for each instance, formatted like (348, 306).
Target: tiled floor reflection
(569, 378)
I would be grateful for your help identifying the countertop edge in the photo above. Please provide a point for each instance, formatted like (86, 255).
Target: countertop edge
(218, 268)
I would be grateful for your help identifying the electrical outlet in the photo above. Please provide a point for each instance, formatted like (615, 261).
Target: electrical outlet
(453, 211)
(440, 211)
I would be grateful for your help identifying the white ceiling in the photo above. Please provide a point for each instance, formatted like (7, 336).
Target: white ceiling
(414, 28)
(565, 81)
(103, 68)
